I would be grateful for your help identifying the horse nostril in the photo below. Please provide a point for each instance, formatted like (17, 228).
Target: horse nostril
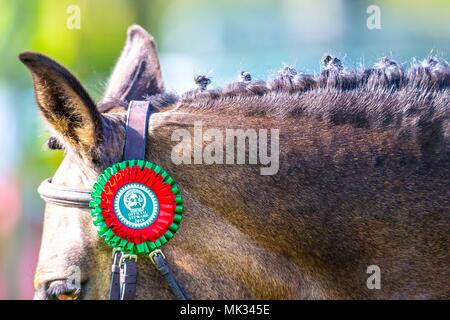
(63, 290)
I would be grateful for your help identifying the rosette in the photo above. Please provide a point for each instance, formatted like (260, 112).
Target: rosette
(136, 206)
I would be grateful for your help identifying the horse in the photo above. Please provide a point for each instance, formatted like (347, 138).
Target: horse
(362, 183)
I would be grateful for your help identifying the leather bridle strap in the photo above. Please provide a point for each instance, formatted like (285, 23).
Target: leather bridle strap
(64, 196)
(114, 290)
(163, 267)
(134, 149)
(136, 130)
(128, 279)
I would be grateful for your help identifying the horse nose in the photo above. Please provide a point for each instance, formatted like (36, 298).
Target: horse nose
(40, 293)
(57, 290)
(59, 284)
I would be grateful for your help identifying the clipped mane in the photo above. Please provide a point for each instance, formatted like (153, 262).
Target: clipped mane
(387, 76)
(429, 74)
(383, 96)
(414, 102)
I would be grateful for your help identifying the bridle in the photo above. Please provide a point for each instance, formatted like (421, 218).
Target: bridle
(64, 196)
(124, 266)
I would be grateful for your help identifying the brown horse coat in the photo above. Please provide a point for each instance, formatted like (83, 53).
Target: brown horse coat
(363, 180)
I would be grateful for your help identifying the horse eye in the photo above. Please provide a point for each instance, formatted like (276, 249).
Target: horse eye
(53, 144)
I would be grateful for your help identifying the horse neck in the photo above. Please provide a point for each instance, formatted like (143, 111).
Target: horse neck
(319, 205)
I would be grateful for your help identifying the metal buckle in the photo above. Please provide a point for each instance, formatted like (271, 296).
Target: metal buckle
(127, 256)
(155, 253)
(115, 250)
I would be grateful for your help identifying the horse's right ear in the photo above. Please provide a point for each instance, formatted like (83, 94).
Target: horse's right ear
(137, 73)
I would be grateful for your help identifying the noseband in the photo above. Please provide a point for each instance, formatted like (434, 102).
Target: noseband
(123, 269)
(64, 196)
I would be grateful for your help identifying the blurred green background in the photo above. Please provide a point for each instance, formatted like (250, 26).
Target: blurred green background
(198, 36)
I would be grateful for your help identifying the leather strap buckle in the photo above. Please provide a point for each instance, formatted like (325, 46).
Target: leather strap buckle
(127, 257)
(154, 253)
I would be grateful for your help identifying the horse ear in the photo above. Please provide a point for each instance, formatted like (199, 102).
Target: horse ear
(65, 104)
(137, 73)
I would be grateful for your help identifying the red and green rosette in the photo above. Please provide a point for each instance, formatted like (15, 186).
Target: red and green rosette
(136, 206)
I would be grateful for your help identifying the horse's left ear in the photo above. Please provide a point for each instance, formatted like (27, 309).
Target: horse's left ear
(65, 104)
(137, 73)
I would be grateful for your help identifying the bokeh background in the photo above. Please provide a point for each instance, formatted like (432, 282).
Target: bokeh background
(219, 38)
